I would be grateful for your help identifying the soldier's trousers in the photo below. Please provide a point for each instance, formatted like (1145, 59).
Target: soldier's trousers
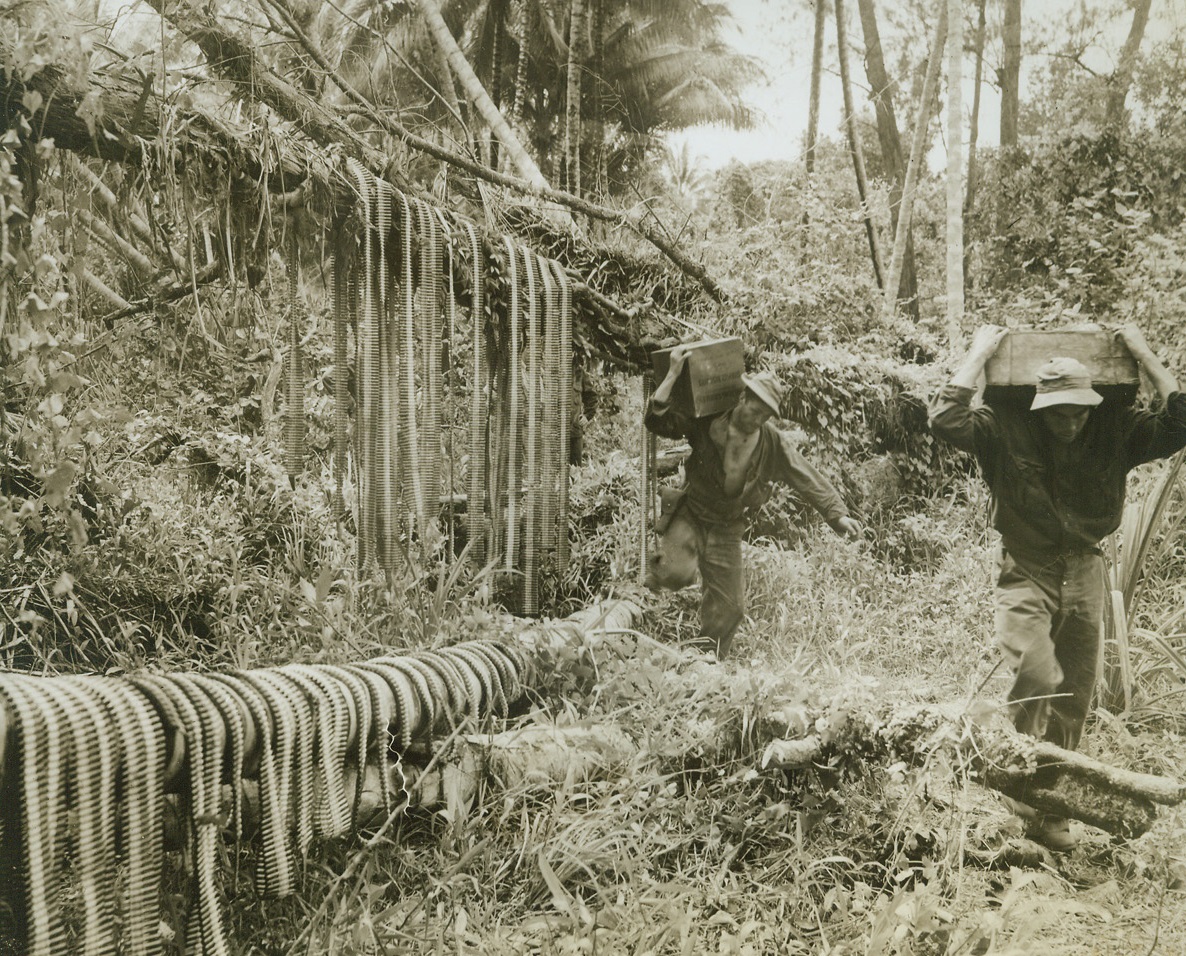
(1048, 620)
(713, 548)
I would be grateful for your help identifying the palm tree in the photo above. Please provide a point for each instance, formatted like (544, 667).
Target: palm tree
(685, 173)
(667, 69)
(643, 67)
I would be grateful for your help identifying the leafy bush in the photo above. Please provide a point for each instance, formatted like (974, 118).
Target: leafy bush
(1065, 219)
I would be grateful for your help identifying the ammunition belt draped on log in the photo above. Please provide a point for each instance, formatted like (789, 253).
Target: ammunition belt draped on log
(446, 327)
(85, 763)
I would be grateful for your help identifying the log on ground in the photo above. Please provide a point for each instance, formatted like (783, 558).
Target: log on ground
(1047, 778)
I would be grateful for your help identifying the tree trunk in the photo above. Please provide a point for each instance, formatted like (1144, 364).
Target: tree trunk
(1121, 80)
(955, 175)
(882, 92)
(974, 135)
(572, 114)
(891, 146)
(916, 161)
(1011, 73)
(974, 125)
(817, 57)
(478, 98)
(199, 141)
(854, 139)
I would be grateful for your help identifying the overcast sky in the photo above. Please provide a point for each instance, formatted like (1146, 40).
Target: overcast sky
(778, 32)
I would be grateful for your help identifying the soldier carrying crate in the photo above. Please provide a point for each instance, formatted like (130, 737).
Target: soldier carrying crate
(1056, 468)
(736, 454)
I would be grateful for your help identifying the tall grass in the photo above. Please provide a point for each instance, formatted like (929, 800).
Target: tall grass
(849, 606)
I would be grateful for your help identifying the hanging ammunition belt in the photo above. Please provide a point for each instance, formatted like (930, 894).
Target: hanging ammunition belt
(478, 443)
(90, 759)
(294, 404)
(531, 383)
(396, 266)
(382, 390)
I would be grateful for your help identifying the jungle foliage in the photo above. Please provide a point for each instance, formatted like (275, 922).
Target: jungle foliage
(147, 519)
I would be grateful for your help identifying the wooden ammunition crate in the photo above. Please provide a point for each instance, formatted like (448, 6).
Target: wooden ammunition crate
(1012, 373)
(711, 380)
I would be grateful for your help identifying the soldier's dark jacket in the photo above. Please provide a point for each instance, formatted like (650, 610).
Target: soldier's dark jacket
(774, 459)
(1048, 498)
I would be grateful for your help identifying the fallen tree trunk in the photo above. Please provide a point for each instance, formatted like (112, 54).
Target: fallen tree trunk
(450, 770)
(125, 129)
(529, 756)
(1048, 778)
(546, 647)
(1060, 782)
(295, 753)
(1045, 777)
(233, 58)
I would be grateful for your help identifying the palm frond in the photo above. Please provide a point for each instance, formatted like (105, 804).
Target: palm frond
(700, 98)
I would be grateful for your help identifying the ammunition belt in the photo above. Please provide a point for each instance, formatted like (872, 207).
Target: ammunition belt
(89, 760)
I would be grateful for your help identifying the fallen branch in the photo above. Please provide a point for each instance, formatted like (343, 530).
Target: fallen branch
(141, 228)
(1039, 774)
(129, 133)
(170, 292)
(233, 59)
(239, 61)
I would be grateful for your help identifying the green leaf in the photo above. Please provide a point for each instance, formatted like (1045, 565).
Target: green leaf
(325, 581)
(57, 485)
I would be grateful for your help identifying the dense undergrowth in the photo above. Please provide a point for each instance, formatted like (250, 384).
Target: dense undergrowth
(696, 847)
(202, 554)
